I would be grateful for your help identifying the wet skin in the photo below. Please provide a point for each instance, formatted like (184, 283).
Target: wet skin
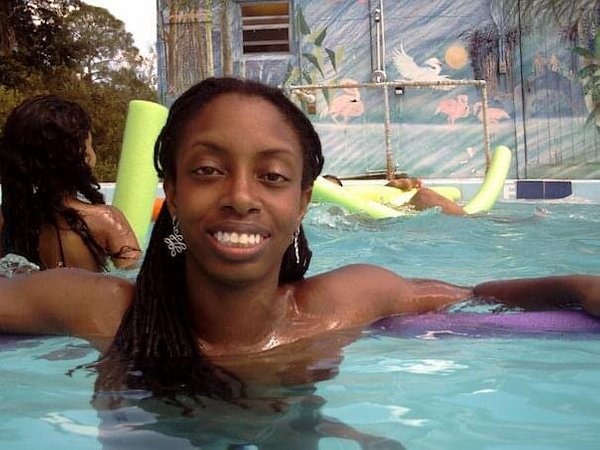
(238, 196)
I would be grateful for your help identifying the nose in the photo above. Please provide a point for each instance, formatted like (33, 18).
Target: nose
(241, 194)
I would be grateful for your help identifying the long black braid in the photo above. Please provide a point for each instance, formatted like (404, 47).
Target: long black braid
(155, 347)
(42, 162)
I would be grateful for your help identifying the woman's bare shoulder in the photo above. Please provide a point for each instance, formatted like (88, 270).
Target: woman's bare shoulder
(109, 226)
(100, 214)
(367, 275)
(357, 293)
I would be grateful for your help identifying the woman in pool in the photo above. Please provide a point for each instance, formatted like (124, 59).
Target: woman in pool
(425, 198)
(221, 309)
(52, 210)
(223, 275)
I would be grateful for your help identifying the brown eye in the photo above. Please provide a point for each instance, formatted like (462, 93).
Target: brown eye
(207, 171)
(274, 177)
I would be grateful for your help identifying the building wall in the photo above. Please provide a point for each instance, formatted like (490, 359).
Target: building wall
(536, 102)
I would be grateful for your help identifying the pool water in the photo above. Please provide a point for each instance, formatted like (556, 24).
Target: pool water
(452, 392)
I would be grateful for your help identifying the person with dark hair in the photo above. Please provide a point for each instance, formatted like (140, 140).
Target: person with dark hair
(221, 308)
(53, 212)
(333, 179)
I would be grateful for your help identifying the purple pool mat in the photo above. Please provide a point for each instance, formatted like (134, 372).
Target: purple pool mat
(549, 323)
(489, 324)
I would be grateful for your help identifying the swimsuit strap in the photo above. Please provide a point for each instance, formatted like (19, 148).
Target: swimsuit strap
(63, 261)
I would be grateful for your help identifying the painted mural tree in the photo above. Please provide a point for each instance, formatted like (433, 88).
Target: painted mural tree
(492, 47)
(590, 78)
(311, 65)
(185, 31)
(577, 23)
(577, 19)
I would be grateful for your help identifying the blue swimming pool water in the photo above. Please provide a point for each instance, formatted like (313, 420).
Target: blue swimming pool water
(443, 393)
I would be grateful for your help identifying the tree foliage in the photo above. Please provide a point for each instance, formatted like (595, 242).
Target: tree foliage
(33, 38)
(101, 43)
(77, 51)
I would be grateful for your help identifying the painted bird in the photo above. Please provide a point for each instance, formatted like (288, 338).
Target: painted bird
(409, 70)
(494, 115)
(454, 108)
(347, 104)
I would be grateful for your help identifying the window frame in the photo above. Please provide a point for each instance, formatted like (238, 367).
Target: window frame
(265, 26)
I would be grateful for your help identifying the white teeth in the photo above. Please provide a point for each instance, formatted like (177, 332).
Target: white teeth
(238, 239)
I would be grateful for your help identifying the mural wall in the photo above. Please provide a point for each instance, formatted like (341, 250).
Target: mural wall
(542, 96)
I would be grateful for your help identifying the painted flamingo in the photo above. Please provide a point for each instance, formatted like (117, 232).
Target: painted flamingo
(454, 108)
(348, 104)
(494, 115)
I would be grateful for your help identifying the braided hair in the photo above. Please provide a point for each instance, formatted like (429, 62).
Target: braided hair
(156, 345)
(42, 162)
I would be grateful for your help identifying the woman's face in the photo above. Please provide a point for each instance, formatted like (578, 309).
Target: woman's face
(90, 154)
(237, 192)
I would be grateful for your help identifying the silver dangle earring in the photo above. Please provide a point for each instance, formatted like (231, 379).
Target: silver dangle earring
(174, 241)
(296, 246)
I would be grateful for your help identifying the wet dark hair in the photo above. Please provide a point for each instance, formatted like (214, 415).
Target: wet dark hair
(156, 341)
(42, 161)
(333, 179)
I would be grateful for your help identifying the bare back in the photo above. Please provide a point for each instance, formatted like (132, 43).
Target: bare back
(111, 231)
(63, 247)
(110, 235)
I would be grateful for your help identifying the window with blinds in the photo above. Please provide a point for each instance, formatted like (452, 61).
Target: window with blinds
(266, 27)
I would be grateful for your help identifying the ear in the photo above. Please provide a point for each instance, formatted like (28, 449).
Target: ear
(170, 196)
(304, 202)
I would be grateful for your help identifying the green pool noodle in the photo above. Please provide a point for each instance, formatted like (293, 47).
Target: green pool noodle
(493, 182)
(392, 196)
(327, 192)
(137, 181)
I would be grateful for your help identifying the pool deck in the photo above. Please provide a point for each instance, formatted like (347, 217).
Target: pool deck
(575, 191)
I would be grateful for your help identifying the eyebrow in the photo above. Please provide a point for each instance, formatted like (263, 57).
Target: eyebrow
(214, 147)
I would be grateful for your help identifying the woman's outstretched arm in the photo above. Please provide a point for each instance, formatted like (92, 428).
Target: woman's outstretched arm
(542, 293)
(64, 301)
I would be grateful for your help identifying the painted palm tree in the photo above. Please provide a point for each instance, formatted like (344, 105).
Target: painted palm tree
(590, 78)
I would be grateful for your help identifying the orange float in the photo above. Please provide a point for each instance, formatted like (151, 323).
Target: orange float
(158, 203)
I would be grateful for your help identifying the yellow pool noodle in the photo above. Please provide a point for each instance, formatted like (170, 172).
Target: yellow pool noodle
(360, 199)
(137, 181)
(395, 197)
(493, 182)
(327, 192)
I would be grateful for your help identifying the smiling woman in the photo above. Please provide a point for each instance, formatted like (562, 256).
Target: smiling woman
(252, 171)
(229, 320)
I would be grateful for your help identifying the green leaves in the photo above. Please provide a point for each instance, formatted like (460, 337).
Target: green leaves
(314, 53)
(581, 51)
(332, 58)
(314, 61)
(301, 23)
(320, 37)
(589, 75)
